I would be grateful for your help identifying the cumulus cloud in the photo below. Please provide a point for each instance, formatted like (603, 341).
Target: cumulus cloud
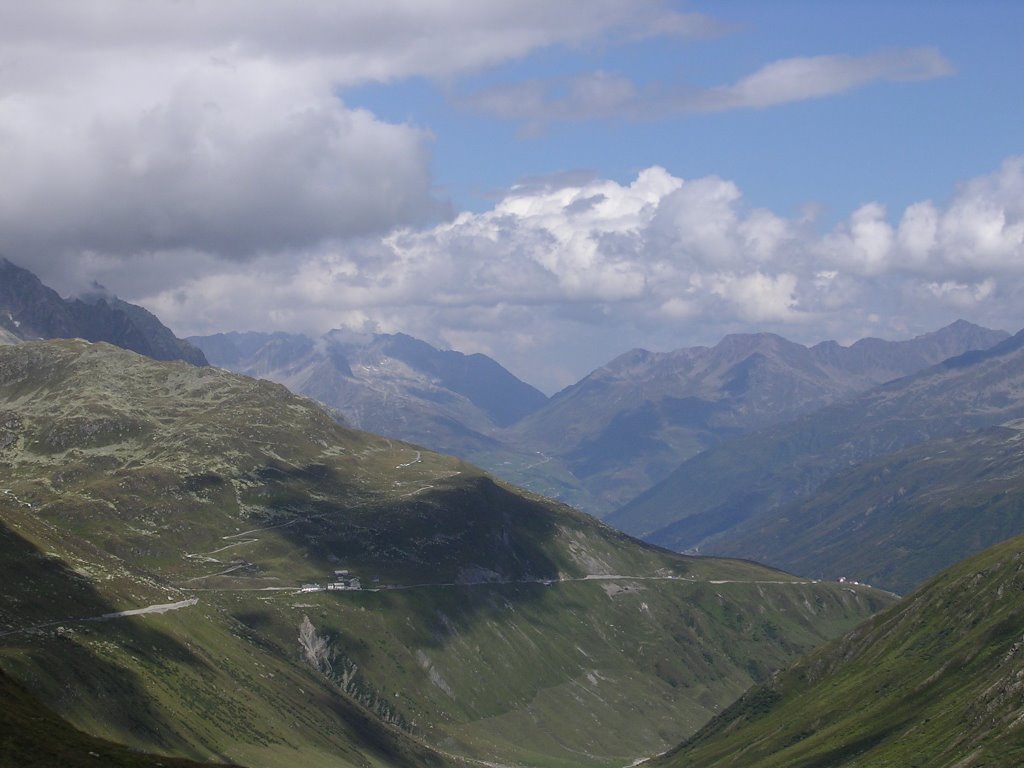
(574, 271)
(232, 160)
(603, 94)
(180, 126)
(208, 147)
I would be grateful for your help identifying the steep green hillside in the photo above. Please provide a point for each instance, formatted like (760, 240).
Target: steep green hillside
(490, 625)
(938, 680)
(33, 737)
(896, 521)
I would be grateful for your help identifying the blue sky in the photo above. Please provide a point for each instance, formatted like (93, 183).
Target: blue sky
(550, 183)
(892, 142)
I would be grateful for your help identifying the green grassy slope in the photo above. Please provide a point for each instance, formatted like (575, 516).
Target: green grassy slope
(895, 521)
(938, 680)
(31, 736)
(482, 633)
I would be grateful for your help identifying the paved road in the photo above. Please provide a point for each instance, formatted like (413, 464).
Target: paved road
(159, 608)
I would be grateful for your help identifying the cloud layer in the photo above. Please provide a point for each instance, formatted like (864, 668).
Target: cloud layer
(129, 128)
(556, 279)
(603, 94)
(199, 157)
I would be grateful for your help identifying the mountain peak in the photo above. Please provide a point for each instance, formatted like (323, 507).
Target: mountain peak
(736, 345)
(959, 329)
(95, 293)
(31, 310)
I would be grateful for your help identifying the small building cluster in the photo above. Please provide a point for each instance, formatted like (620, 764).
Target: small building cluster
(342, 580)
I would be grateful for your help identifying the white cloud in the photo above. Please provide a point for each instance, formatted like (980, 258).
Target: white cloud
(799, 79)
(758, 297)
(575, 271)
(917, 232)
(864, 244)
(194, 154)
(603, 94)
(174, 126)
(960, 295)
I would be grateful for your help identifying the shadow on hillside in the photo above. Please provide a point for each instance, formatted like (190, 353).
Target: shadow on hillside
(47, 642)
(464, 530)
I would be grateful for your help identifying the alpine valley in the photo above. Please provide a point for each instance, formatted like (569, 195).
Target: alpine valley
(160, 520)
(204, 566)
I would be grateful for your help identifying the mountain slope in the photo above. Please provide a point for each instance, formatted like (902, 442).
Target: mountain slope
(628, 425)
(489, 625)
(393, 385)
(30, 310)
(740, 482)
(33, 737)
(938, 680)
(897, 520)
(400, 387)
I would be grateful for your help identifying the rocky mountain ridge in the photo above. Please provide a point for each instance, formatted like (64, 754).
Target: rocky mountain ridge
(628, 425)
(602, 441)
(29, 310)
(388, 384)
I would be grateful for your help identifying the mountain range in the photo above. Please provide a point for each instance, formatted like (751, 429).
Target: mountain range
(30, 310)
(169, 532)
(804, 491)
(602, 441)
(626, 426)
(203, 566)
(670, 427)
(390, 384)
(597, 444)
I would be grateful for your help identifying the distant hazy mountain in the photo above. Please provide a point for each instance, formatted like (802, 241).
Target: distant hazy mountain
(934, 681)
(719, 497)
(29, 310)
(897, 520)
(627, 425)
(392, 385)
(602, 441)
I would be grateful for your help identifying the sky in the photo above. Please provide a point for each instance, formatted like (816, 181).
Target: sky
(549, 182)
